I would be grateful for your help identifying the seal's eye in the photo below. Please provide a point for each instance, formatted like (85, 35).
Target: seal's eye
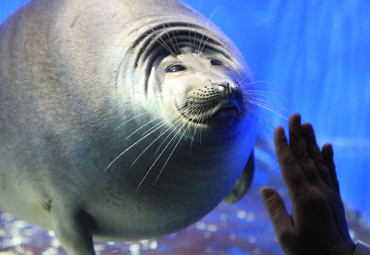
(176, 68)
(215, 62)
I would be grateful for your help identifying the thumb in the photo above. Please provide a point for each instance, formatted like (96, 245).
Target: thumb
(280, 218)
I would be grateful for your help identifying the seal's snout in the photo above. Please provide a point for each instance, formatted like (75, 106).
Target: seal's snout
(218, 100)
(229, 103)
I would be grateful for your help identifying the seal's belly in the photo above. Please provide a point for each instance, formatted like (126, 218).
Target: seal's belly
(183, 193)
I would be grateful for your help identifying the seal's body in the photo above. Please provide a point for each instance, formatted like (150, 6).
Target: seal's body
(119, 119)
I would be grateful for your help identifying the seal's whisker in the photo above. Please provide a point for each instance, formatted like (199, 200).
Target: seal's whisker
(176, 41)
(187, 108)
(195, 38)
(194, 43)
(153, 127)
(159, 156)
(246, 85)
(269, 102)
(140, 128)
(164, 140)
(131, 146)
(195, 130)
(159, 123)
(163, 96)
(202, 121)
(169, 37)
(265, 94)
(192, 47)
(259, 99)
(127, 121)
(191, 110)
(201, 48)
(160, 40)
(164, 44)
(173, 150)
(253, 91)
(267, 107)
(263, 98)
(200, 5)
(159, 136)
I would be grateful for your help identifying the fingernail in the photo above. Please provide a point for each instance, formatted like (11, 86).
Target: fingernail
(330, 147)
(267, 193)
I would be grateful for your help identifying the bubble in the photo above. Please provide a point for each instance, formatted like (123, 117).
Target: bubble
(134, 249)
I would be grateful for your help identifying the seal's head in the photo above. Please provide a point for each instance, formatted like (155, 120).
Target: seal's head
(194, 78)
(202, 88)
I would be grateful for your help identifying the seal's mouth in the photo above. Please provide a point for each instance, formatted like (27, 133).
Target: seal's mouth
(210, 105)
(226, 112)
(218, 112)
(229, 109)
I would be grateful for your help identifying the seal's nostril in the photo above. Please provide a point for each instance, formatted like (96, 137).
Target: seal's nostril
(227, 87)
(225, 84)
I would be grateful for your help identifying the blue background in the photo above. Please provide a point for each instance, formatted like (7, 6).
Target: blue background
(313, 56)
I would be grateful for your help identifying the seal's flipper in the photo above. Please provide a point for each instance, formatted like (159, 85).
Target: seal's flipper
(72, 228)
(244, 182)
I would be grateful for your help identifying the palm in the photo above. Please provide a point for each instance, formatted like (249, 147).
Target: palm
(317, 224)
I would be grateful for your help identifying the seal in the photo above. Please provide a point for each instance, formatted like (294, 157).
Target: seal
(120, 120)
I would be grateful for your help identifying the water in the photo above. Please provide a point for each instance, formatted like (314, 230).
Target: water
(315, 55)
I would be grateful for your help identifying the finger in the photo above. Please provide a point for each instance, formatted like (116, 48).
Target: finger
(290, 169)
(328, 155)
(296, 140)
(311, 144)
(274, 204)
(320, 170)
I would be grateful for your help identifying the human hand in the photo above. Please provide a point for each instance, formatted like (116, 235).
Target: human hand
(317, 224)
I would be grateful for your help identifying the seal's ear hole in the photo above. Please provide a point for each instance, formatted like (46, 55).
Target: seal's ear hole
(216, 62)
(175, 68)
